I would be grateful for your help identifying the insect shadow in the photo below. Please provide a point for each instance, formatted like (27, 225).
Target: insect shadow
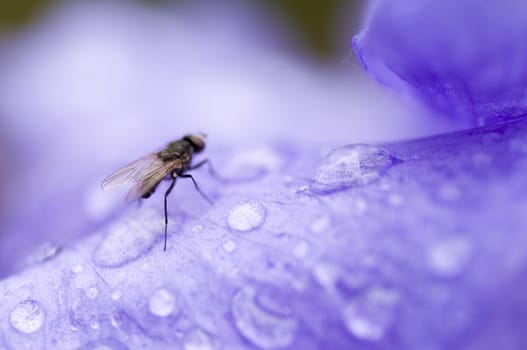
(172, 162)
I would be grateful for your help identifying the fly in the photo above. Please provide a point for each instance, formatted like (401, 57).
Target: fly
(170, 163)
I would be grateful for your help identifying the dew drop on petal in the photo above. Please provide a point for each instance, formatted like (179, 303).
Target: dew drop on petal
(247, 216)
(229, 246)
(321, 224)
(253, 163)
(449, 192)
(196, 339)
(162, 303)
(350, 166)
(301, 250)
(261, 327)
(95, 325)
(368, 317)
(78, 268)
(326, 274)
(92, 292)
(449, 257)
(43, 253)
(116, 295)
(126, 241)
(27, 317)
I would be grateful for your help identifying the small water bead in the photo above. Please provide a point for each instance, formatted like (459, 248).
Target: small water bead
(162, 303)
(78, 268)
(116, 295)
(350, 166)
(92, 292)
(449, 192)
(481, 159)
(27, 317)
(196, 339)
(321, 224)
(326, 274)
(301, 249)
(247, 216)
(260, 327)
(449, 257)
(229, 246)
(369, 316)
(395, 199)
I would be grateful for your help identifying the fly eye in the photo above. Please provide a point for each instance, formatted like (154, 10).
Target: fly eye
(197, 142)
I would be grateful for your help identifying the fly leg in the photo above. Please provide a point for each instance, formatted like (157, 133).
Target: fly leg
(166, 214)
(196, 185)
(205, 161)
(211, 170)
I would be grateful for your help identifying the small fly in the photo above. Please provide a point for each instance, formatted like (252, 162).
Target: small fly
(170, 163)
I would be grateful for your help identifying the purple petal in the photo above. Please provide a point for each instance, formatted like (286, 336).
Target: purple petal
(467, 58)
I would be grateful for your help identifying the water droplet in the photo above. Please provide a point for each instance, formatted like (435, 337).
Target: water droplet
(229, 246)
(104, 344)
(263, 329)
(253, 163)
(395, 199)
(247, 216)
(116, 295)
(95, 324)
(326, 274)
(196, 339)
(45, 252)
(368, 317)
(321, 224)
(450, 257)
(128, 240)
(359, 206)
(162, 303)
(301, 250)
(481, 159)
(350, 166)
(92, 292)
(518, 145)
(78, 268)
(449, 192)
(28, 316)
(102, 347)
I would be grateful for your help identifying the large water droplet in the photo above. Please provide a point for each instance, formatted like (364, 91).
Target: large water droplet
(28, 316)
(262, 328)
(351, 165)
(162, 303)
(128, 240)
(449, 257)
(369, 316)
(247, 216)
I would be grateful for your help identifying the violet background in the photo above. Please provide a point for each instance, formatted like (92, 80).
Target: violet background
(408, 245)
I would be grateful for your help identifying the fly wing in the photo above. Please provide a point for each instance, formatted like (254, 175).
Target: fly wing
(149, 178)
(130, 173)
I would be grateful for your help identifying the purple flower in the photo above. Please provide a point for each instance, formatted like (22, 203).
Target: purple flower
(467, 59)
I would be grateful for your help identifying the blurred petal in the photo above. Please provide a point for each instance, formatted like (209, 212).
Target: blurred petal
(466, 58)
